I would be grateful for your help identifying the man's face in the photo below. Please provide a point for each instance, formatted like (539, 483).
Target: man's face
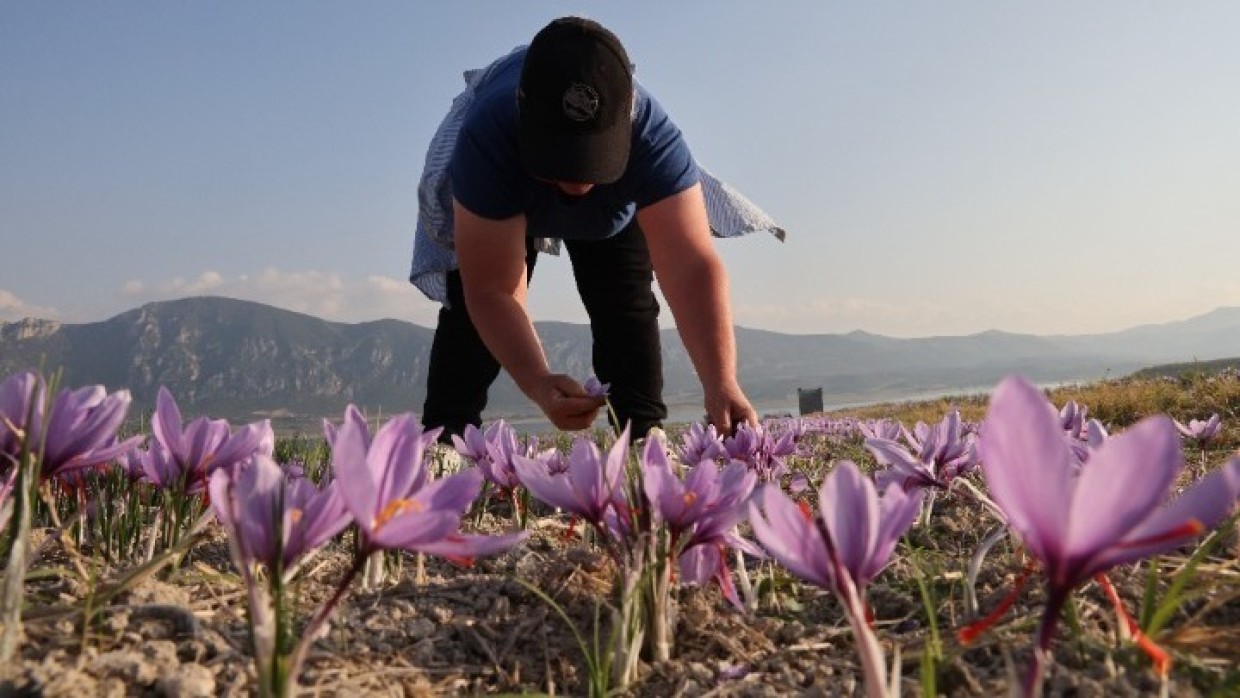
(569, 188)
(574, 188)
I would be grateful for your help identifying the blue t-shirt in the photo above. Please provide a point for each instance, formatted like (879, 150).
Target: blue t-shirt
(488, 177)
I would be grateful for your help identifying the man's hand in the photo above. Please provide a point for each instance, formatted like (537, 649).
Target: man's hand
(727, 407)
(565, 402)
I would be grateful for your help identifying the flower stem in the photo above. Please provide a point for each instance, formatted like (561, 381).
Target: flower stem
(321, 617)
(1040, 660)
(873, 665)
(15, 573)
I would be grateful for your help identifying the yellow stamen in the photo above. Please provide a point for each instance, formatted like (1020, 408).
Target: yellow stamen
(395, 508)
(690, 497)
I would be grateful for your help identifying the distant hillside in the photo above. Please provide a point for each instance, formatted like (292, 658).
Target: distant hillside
(239, 359)
(1191, 368)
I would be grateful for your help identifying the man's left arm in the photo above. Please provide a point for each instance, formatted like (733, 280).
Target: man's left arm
(695, 284)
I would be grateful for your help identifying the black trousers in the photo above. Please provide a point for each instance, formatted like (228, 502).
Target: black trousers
(614, 279)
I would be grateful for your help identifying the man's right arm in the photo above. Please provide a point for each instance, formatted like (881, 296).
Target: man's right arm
(491, 255)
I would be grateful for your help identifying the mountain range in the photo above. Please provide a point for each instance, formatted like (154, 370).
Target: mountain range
(242, 360)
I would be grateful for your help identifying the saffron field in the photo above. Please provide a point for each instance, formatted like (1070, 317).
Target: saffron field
(1076, 542)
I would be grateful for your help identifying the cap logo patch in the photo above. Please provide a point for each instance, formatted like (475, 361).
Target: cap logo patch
(580, 102)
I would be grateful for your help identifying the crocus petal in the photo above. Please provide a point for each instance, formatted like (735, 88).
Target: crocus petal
(1207, 503)
(849, 507)
(357, 483)
(80, 422)
(221, 502)
(789, 538)
(166, 424)
(896, 512)
(396, 457)
(414, 528)
(322, 517)
(1028, 466)
(617, 456)
(555, 490)
(258, 491)
(697, 565)
(1125, 479)
(459, 545)
(248, 441)
(455, 492)
(888, 452)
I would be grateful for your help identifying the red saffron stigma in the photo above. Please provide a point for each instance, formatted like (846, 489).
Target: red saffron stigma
(1157, 655)
(1188, 529)
(569, 532)
(805, 510)
(972, 631)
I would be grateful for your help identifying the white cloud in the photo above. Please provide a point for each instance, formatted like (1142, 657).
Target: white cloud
(324, 294)
(13, 308)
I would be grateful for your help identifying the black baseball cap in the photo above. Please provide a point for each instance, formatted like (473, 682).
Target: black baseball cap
(576, 103)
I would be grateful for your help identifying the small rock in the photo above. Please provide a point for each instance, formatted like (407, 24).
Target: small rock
(792, 632)
(419, 629)
(701, 673)
(192, 651)
(501, 609)
(188, 681)
(117, 622)
(65, 682)
(127, 665)
(161, 652)
(111, 688)
(155, 592)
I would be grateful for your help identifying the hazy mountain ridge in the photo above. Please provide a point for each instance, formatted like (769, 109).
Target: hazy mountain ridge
(236, 359)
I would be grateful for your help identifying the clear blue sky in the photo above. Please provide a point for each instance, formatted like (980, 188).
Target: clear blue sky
(941, 168)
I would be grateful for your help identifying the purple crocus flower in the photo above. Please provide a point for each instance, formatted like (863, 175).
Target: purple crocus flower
(78, 431)
(1117, 509)
(19, 393)
(701, 513)
(492, 451)
(589, 486)
(190, 453)
(81, 430)
(1199, 431)
(889, 429)
(595, 388)
(709, 502)
(701, 442)
(386, 486)
(943, 453)
(761, 450)
(1093, 435)
(1072, 418)
(853, 534)
(250, 499)
(841, 547)
(555, 461)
